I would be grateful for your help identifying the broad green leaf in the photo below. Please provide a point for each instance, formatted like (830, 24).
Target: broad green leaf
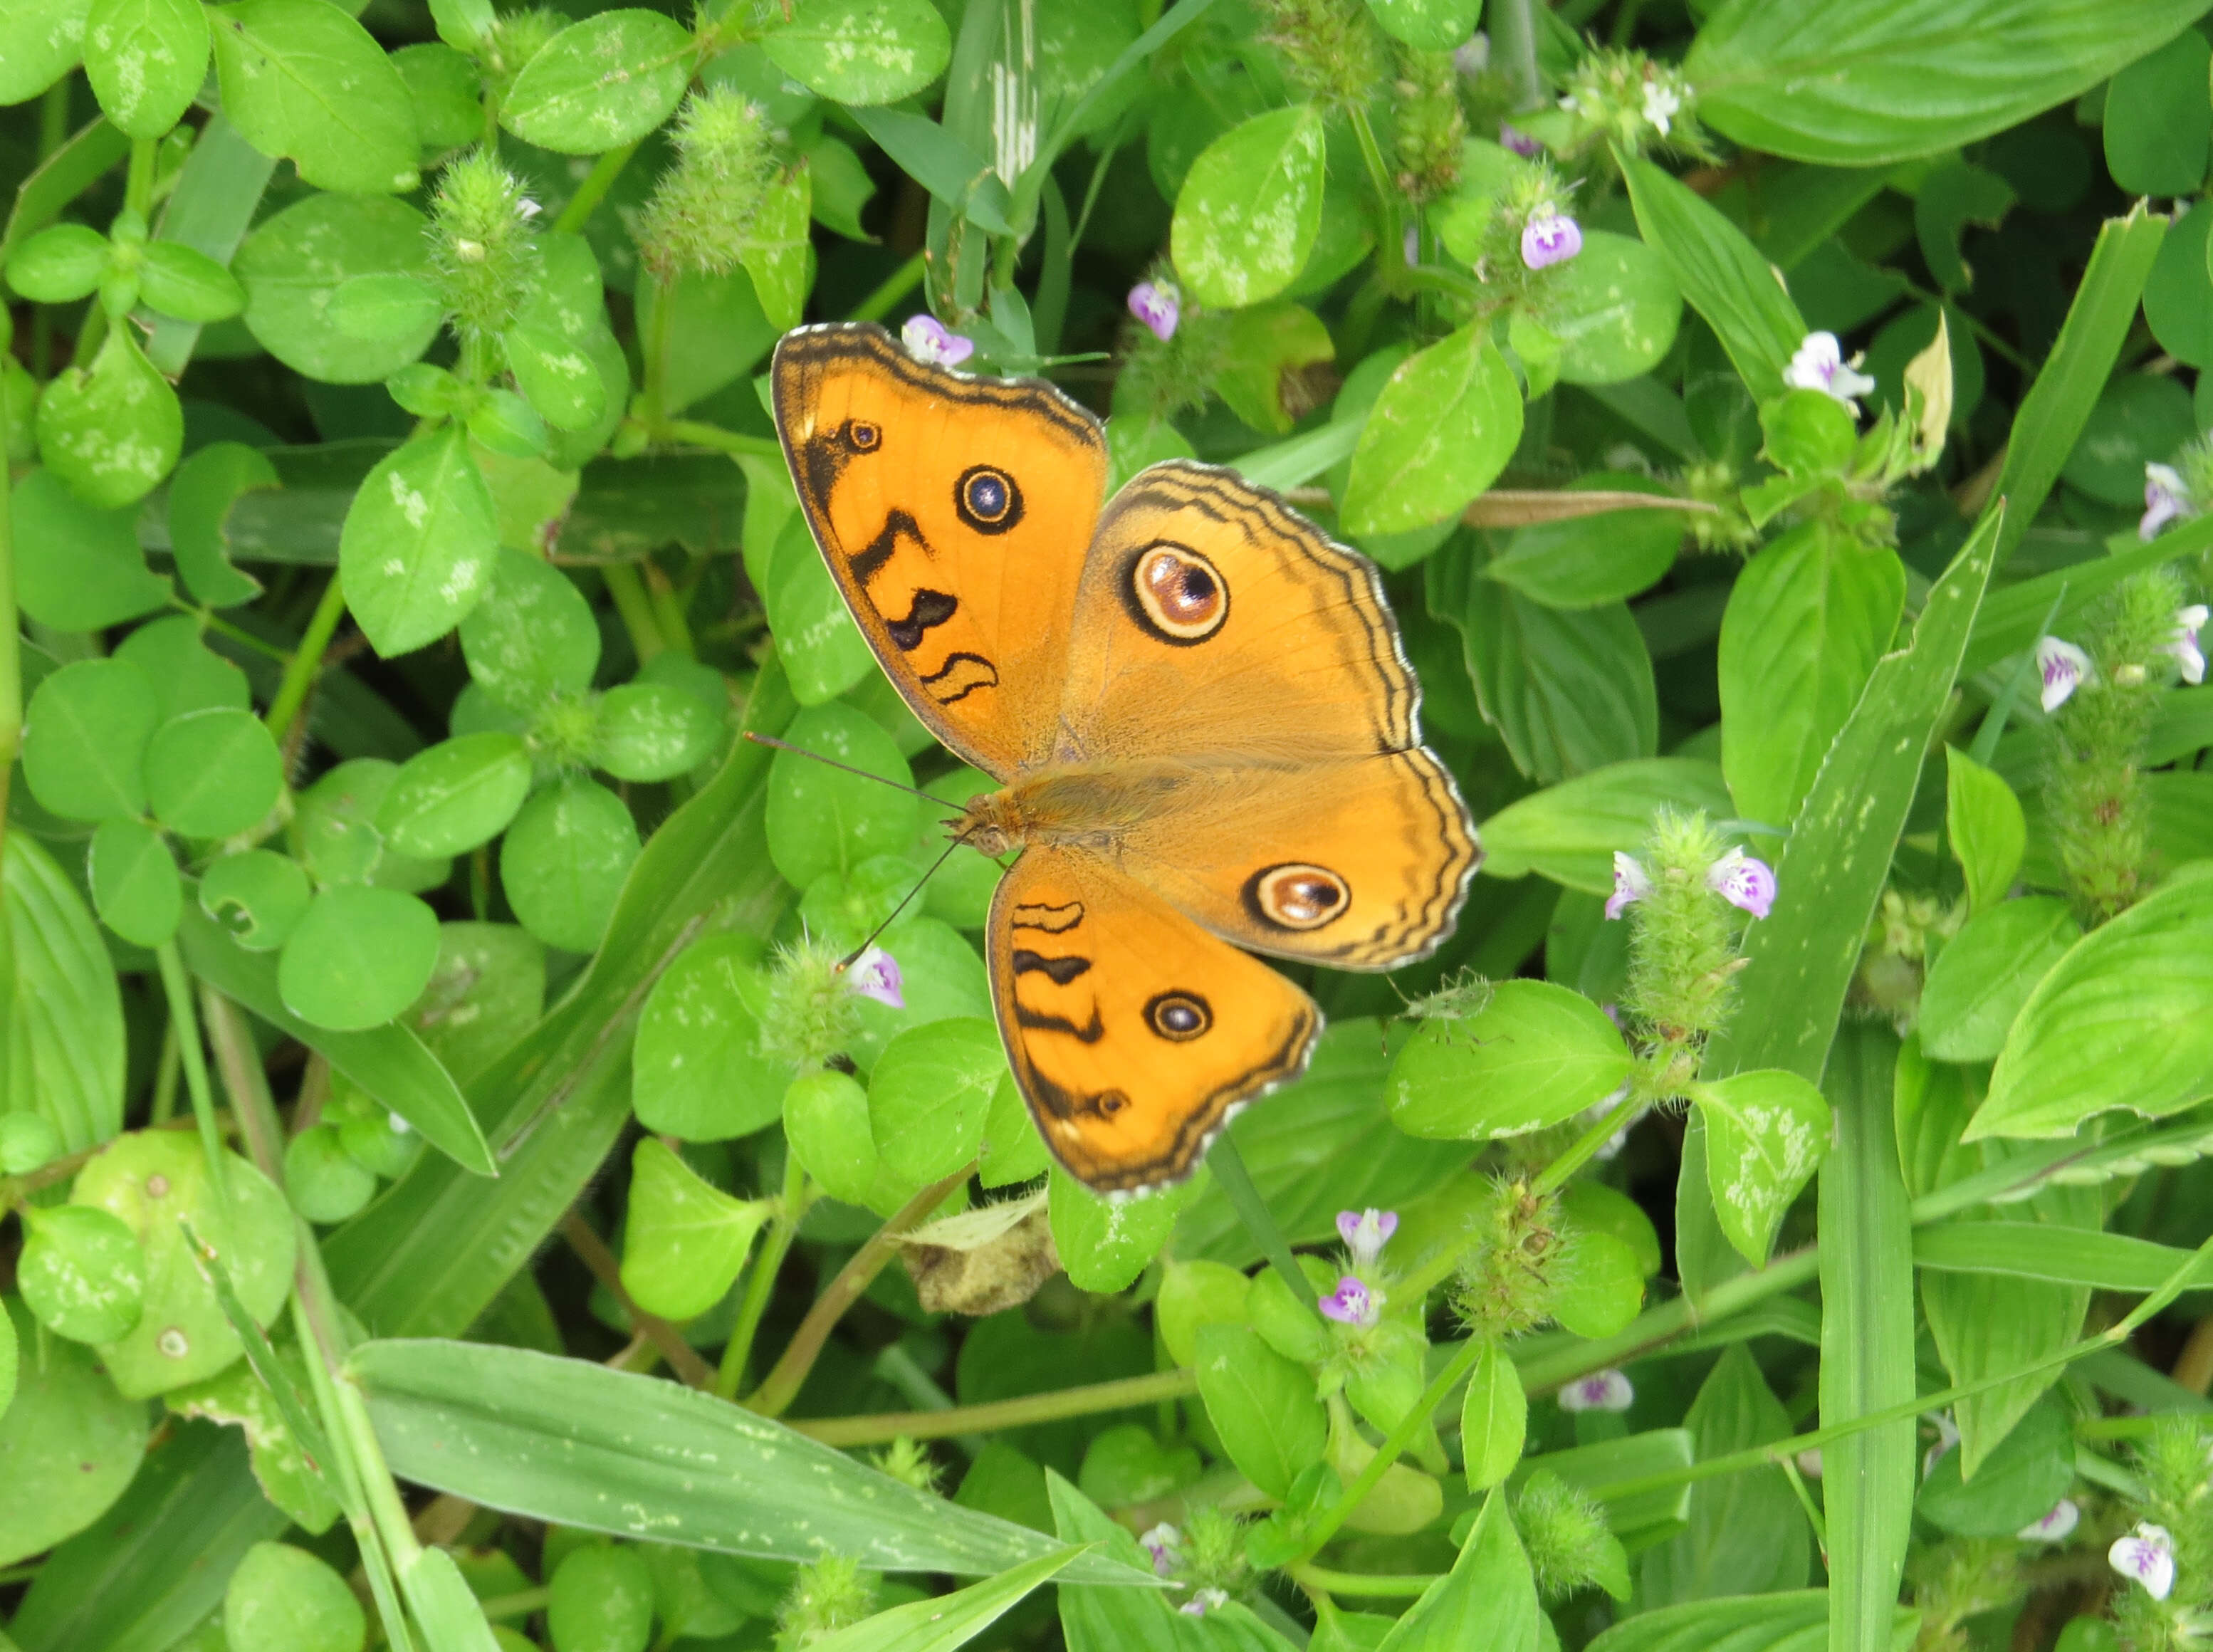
(2178, 295)
(85, 735)
(1488, 1599)
(683, 1238)
(1745, 1532)
(1193, 1294)
(1569, 833)
(2123, 1020)
(70, 1433)
(601, 83)
(2138, 416)
(283, 1598)
(293, 264)
(1976, 988)
(325, 1183)
(559, 377)
(1849, 84)
(1806, 622)
(2039, 1249)
(699, 1070)
(929, 1094)
(1599, 1286)
(78, 567)
(333, 831)
(1494, 1420)
(1767, 1131)
(39, 43)
(81, 1273)
(941, 163)
(1615, 308)
(145, 59)
(449, 797)
(1797, 1620)
(823, 820)
(358, 957)
(2017, 1484)
(571, 1442)
(825, 1124)
(650, 731)
(1428, 25)
(1720, 271)
(60, 265)
(213, 773)
(417, 549)
(112, 430)
(1988, 832)
(1261, 1405)
(303, 81)
(1105, 1244)
(563, 861)
(201, 494)
(1444, 427)
(1246, 215)
(861, 51)
(135, 886)
(1584, 562)
(187, 675)
(534, 637)
(1536, 1055)
(1571, 693)
(1093, 1619)
(65, 1013)
(821, 647)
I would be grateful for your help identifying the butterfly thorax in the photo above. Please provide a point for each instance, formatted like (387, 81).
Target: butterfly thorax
(1089, 804)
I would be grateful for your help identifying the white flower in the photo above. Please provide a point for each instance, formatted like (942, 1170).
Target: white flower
(2147, 1555)
(1660, 105)
(2055, 1527)
(1366, 1232)
(1473, 56)
(1601, 1391)
(1631, 882)
(1745, 882)
(875, 974)
(1820, 365)
(2063, 668)
(2187, 623)
(1204, 1601)
(2166, 497)
(1165, 1544)
(1947, 1436)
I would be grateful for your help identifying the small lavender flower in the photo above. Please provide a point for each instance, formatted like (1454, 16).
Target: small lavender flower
(1745, 882)
(2147, 1555)
(1661, 104)
(1366, 1232)
(1352, 1303)
(1632, 883)
(875, 974)
(927, 339)
(2055, 1527)
(1204, 1601)
(2063, 668)
(1948, 1437)
(1165, 1544)
(1820, 365)
(2187, 623)
(1511, 136)
(1550, 238)
(1473, 56)
(2166, 497)
(1601, 1391)
(1413, 245)
(1159, 306)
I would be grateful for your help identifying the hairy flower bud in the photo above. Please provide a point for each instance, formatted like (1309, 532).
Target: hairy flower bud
(484, 254)
(697, 219)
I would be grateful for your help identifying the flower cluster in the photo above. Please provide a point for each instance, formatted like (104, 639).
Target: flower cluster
(1332, 48)
(1747, 882)
(484, 254)
(1207, 1558)
(1354, 1301)
(813, 1005)
(1628, 99)
(704, 208)
(1683, 956)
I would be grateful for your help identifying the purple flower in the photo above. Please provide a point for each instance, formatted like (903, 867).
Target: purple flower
(2055, 1527)
(1204, 1601)
(1550, 238)
(1165, 1544)
(1601, 1391)
(1631, 882)
(2147, 1555)
(875, 974)
(1511, 136)
(2187, 623)
(1352, 1303)
(2166, 497)
(1745, 882)
(928, 341)
(1159, 306)
(1820, 365)
(2063, 667)
(1366, 1232)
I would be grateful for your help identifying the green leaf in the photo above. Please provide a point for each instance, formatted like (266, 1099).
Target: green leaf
(114, 429)
(1845, 84)
(1093, 1619)
(563, 861)
(2046, 1251)
(325, 1183)
(601, 83)
(1719, 271)
(2139, 417)
(81, 1273)
(1262, 1406)
(1105, 1244)
(571, 1442)
(2017, 1484)
(533, 637)
(821, 647)
(1797, 1620)
(1249, 212)
(65, 1013)
(1536, 1055)
(67, 1433)
(2178, 295)
(649, 731)
(294, 262)
(1569, 832)
(823, 820)
(861, 51)
(558, 375)
(449, 797)
(945, 1621)
(190, 286)
(600, 1599)
(358, 957)
(39, 43)
(825, 1121)
(135, 886)
(303, 82)
(928, 1095)
(78, 567)
(2124, 1019)
(446, 89)
(1806, 622)
(1488, 1599)
(1428, 25)
(281, 1598)
(213, 773)
(1444, 427)
(416, 551)
(1569, 691)
(60, 265)
(1766, 1133)
(201, 493)
(85, 735)
(698, 1070)
(684, 1240)
(156, 1182)
(1494, 1420)
(951, 171)
(334, 832)
(1615, 308)
(189, 676)
(1745, 1532)
(1988, 832)
(1976, 988)
(1585, 562)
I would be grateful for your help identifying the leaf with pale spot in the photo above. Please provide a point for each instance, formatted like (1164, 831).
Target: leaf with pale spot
(417, 549)
(1249, 212)
(1766, 1133)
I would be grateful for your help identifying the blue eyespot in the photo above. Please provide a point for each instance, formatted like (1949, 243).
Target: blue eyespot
(987, 499)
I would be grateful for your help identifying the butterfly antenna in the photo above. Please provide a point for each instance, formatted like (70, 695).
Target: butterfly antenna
(846, 962)
(785, 746)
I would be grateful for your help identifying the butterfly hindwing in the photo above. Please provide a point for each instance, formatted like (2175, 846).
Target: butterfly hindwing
(953, 512)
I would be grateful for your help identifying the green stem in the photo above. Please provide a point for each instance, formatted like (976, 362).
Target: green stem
(138, 181)
(892, 289)
(169, 1068)
(593, 189)
(1415, 1419)
(11, 668)
(306, 660)
(1514, 50)
(880, 1428)
(1228, 1167)
(1400, 1585)
(177, 987)
(713, 436)
(667, 609)
(1556, 1173)
(653, 348)
(635, 609)
(521, 1604)
(739, 1349)
(1390, 265)
(1806, 1503)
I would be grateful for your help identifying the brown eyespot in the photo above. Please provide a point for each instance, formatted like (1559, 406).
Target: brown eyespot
(863, 436)
(1112, 1102)
(987, 499)
(1180, 596)
(1179, 1017)
(1297, 895)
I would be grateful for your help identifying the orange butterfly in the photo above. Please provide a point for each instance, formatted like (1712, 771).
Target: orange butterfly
(1198, 707)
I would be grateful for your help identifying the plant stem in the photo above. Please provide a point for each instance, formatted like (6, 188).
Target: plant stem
(1514, 49)
(1558, 1172)
(593, 190)
(880, 1428)
(177, 987)
(635, 609)
(1228, 1167)
(653, 346)
(781, 1386)
(892, 289)
(592, 1251)
(790, 1208)
(1415, 1419)
(1401, 1585)
(138, 180)
(713, 436)
(668, 608)
(1391, 263)
(11, 667)
(306, 660)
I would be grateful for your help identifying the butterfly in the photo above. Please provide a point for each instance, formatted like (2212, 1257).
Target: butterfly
(1196, 704)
